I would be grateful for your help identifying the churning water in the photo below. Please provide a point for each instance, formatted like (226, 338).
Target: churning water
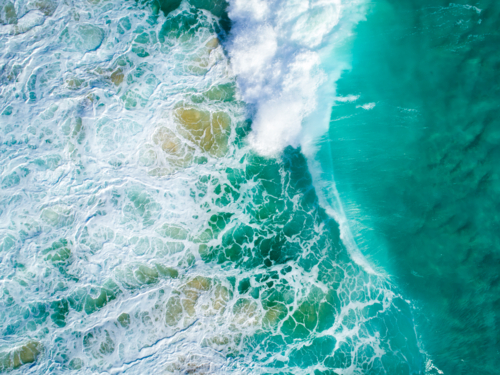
(190, 187)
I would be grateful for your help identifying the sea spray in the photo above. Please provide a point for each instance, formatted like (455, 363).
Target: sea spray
(286, 58)
(273, 54)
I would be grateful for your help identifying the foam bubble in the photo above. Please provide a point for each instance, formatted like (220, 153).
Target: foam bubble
(367, 106)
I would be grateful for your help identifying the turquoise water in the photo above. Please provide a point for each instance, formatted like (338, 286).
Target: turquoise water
(175, 198)
(418, 170)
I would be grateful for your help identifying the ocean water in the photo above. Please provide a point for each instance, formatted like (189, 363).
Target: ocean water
(414, 145)
(247, 187)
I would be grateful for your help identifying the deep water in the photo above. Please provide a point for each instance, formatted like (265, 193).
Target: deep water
(414, 142)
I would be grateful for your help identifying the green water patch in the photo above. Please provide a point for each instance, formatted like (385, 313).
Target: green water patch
(24, 354)
(275, 252)
(415, 159)
(217, 7)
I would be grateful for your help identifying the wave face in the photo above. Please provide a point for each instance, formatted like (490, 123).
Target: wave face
(413, 145)
(140, 232)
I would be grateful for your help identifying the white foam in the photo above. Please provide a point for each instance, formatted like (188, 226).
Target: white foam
(347, 99)
(275, 50)
(367, 106)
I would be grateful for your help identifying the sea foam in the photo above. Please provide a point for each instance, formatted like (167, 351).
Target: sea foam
(283, 55)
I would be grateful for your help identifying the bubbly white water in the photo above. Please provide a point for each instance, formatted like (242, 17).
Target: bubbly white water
(85, 92)
(284, 55)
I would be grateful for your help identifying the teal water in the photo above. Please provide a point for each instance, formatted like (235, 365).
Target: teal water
(417, 168)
